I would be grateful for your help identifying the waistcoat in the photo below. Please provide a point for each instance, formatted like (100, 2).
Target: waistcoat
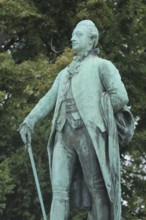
(69, 112)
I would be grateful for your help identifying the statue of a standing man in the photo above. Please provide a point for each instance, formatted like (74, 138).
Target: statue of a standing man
(83, 145)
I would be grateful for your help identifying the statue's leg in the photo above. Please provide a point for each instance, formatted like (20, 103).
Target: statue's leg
(93, 177)
(62, 170)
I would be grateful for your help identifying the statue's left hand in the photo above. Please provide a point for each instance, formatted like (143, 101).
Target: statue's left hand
(25, 133)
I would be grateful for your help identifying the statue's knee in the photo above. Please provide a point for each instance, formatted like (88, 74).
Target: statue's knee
(61, 195)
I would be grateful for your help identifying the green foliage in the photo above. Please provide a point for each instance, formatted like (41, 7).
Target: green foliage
(30, 28)
(22, 85)
(24, 196)
(33, 35)
(6, 184)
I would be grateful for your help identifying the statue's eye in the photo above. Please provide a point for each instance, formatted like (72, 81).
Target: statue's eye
(79, 34)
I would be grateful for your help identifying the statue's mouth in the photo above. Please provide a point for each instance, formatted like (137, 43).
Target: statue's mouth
(74, 44)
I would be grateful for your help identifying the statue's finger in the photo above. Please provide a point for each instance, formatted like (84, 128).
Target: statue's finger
(28, 137)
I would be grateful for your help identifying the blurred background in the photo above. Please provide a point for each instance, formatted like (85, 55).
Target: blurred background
(34, 47)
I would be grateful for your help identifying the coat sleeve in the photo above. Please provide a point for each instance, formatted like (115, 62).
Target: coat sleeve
(113, 85)
(45, 105)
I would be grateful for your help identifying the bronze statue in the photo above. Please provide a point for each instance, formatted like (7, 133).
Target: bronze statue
(83, 147)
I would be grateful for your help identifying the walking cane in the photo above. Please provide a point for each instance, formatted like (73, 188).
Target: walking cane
(36, 180)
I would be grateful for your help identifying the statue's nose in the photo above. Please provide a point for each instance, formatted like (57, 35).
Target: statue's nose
(73, 38)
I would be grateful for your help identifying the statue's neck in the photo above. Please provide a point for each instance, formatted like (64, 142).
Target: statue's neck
(82, 55)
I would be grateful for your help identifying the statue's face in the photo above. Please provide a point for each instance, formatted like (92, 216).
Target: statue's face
(81, 41)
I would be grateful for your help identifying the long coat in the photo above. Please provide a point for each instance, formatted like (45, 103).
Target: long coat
(96, 76)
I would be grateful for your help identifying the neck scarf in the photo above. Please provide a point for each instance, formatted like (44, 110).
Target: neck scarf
(73, 67)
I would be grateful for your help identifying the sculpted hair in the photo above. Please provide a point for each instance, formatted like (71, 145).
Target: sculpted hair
(92, 30)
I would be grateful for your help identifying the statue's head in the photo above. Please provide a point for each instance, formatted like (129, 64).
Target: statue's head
(85, 36)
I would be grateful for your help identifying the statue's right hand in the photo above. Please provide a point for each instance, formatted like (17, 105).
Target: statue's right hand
(25, 133)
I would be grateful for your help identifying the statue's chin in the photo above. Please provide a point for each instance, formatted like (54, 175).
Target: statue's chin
(75, 50)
